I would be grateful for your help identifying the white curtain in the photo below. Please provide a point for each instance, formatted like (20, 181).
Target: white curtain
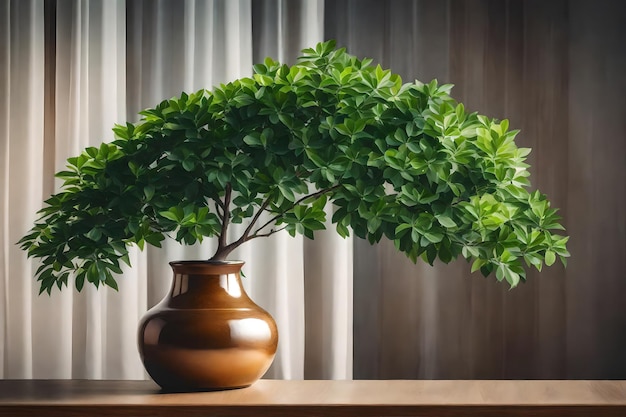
(21, 156)
(113, 58)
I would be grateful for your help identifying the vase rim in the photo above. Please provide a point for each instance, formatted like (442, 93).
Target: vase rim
(206, 262)
(202, 267)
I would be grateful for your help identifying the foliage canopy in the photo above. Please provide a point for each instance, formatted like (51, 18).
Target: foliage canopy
(404, 161)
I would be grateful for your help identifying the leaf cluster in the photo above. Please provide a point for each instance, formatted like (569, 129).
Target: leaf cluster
(399, 160)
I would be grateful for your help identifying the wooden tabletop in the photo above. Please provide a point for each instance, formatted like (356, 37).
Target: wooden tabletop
(59, 398)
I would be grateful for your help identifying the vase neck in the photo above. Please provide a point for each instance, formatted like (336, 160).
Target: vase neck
(205, 285)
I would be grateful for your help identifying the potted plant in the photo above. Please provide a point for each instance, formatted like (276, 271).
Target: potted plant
(404, 161)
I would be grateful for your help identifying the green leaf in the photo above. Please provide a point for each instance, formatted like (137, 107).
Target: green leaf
(252, 140)
(500, 272)
(155, 239)
(148, 191)
(550, 257)
(446, 221)
(189, 165)
(433, 237)
(80, 281)
(171, 215)
(402, 228)
(431, 254)
(110, 281)
(95, 234)
(477, 264)
(511, 277)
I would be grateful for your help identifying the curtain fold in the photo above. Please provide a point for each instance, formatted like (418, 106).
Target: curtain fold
(21, 119)
(111, 60)
(90, 96)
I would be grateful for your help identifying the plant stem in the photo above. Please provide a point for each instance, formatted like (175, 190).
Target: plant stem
(219, 208)
(228, 190)
(271, 232)
(246, 233)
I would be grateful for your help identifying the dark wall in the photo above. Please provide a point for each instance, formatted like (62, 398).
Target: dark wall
(557, 70)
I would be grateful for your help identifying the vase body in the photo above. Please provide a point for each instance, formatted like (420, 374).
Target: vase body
(206, 334)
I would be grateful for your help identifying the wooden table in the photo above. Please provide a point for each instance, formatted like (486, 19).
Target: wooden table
(61, 398)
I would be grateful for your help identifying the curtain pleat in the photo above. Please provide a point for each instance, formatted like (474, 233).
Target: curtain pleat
(281, 29)
(21, 156)
(111, 60)
(90, 98)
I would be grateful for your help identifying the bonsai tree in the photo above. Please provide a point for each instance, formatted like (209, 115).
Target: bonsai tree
(404, 161)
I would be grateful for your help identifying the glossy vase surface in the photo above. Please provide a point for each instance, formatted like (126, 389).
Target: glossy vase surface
(206, 334)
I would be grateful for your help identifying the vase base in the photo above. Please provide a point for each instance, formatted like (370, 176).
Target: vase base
(175, 390)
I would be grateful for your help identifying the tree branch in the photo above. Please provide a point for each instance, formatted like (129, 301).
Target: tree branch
(223, 249)
(264, 205)
(219, 206)
(228, 190)
(300, 200)
(271, 232)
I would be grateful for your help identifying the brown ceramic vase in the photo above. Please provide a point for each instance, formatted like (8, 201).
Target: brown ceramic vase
(206, 334)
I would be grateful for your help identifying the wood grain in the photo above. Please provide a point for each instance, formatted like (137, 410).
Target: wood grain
(316, 398)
